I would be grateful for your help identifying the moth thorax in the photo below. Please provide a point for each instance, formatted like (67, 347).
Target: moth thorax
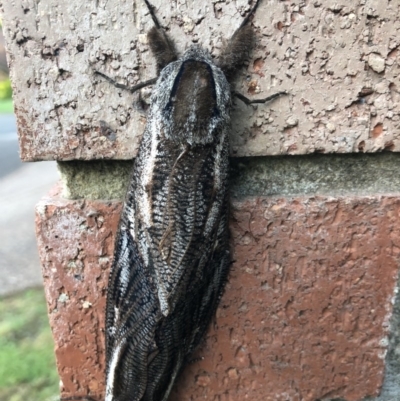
(193, 101)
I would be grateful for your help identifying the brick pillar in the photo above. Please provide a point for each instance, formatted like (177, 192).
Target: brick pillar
(308, 310)
(305, 314)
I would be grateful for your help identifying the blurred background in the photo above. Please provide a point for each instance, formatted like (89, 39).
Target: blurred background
(27, 363)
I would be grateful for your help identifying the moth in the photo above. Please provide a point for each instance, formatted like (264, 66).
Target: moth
(171, 258)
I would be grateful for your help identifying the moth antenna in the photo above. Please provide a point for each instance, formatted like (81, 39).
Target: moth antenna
(238, 47)
(248, 16)
(153, 16)
(161, 46)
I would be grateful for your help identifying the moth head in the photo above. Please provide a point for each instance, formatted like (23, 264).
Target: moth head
(233, 55)
(193, 92)
(193, 98)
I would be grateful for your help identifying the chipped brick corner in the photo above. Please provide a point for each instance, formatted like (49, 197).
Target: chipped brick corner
(76, 241)
(305, 315)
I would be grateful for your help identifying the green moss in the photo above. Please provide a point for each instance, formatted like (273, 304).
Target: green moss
(98, 179)
(27, 368)
(333, 174)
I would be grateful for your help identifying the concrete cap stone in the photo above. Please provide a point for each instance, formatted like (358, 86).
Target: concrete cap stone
(338, 61)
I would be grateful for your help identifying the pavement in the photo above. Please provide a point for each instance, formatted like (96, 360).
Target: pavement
(21, 187)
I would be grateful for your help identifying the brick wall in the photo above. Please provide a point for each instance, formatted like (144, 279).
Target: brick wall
(310, 311)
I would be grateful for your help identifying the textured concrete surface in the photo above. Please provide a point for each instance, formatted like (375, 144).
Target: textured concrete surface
(338, 60)
(19, 192)
(316, 174)
(305, 315)
(282, 176)
(21, 186)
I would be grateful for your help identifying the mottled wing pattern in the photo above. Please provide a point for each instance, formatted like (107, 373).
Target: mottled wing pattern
(189, 246)
(171, 260)
(181, 246)
(172, 254)
(132, 313)
(185, 205)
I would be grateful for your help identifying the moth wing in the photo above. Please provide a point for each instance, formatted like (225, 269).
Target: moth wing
(181, 331)
(192, 199)
(132, 315)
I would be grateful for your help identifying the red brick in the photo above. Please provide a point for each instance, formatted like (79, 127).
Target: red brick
(305, 313)
(304, 316)
(76, 241)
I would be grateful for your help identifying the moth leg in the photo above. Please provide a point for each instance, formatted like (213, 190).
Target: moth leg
(76, 398)
(161, 46)
(248, 101)
(131, 89)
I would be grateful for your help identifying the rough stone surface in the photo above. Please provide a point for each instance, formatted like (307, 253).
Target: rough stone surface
(19, 192)
(338, 60)
(76, 241)
(376, 62)
(96, 179)
(316, 174)
(295, 175)
(305, 314)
